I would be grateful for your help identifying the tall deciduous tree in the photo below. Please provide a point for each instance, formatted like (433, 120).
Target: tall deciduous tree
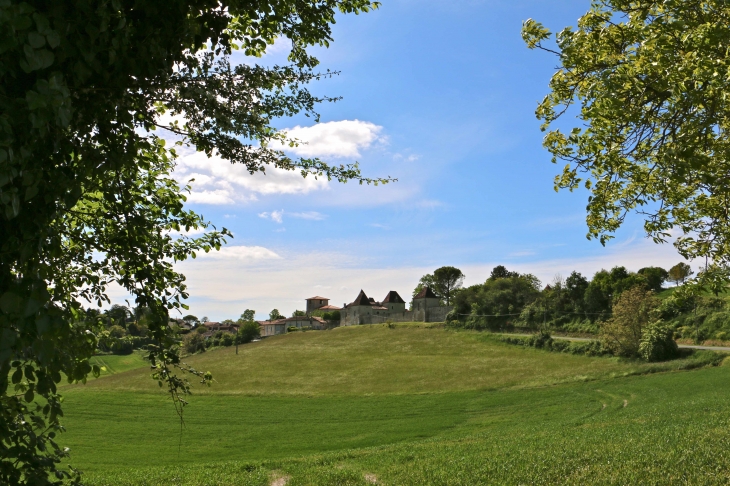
(86, 193)
(632, 311)
(648, 81)
(680, 272)
(446, 280)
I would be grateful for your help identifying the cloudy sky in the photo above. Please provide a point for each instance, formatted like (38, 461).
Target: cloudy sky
(441, 95)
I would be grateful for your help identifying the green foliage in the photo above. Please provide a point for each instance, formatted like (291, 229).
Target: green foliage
(274, 315)
(504, 298)
(247, 316)
(299, 313)
(327, 315)
(655, 277)
(248, 332)
(86, 193)
(648, 81)
(193, 343)
(446, 280)
(632, 312)
(657, 343)
(680, 272)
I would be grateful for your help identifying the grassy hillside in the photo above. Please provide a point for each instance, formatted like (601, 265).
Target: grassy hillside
(405, 406)
(366, 360)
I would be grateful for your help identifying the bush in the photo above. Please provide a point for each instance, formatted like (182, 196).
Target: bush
(248, 332)
(122, 347)
(227, 339)
(657, 343)
(194, 343)
(541, 340)
(292, 329)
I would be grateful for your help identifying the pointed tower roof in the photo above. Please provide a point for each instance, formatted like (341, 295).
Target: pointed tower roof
(425, 293)
(393, 298)
(361, 299)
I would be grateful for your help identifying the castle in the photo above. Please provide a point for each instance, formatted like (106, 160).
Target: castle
(366, 310)
(363, 310)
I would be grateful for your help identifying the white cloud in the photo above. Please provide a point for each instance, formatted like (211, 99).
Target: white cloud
(277, 216)
(217, 181)
(311, 215)
(343, 138)
(248, 254)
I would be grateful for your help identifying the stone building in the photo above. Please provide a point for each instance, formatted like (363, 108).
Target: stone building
(365, 310)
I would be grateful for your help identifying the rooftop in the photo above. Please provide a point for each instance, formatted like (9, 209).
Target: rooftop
(361, 299)
(425, 293)
(317, 297)
(393, 298)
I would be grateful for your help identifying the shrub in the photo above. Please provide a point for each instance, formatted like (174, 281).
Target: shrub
(201, 329)
(721, 336)
(248, 332)
(657, 343)
(193, 343)
(541, 340)
(227, 339)
(116, 331)
(631, 313)
(292, 329)
(122, 346)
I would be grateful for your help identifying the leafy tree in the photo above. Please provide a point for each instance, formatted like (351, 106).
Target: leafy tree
(575, 287)
(425, 281)
(116, 331)
(201, 330)
(191, 320)
(631, 313)
(119, 315)
(445, 281)
(298, 313)
(679, 273)
(647, 79)
(248, 316)
(497, 297)
(87, 197)
(606, 286)
(193, 343)
(500, 271)
(248, 332)
(274, 315)
(655, 277)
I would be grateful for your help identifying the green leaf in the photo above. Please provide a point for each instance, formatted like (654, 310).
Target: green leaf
(36, 40)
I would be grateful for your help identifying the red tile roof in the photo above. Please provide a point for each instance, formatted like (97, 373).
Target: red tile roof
(329, 307)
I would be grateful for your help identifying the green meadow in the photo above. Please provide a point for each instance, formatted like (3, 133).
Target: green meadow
(409, 405)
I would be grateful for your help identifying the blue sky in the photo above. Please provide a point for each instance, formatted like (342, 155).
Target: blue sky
(441, 95)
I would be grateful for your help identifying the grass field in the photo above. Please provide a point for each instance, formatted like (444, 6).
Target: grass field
(405, 406)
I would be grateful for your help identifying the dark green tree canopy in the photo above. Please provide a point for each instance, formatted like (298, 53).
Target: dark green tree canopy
(648, 81)
(655, 277)
(86, 194)
(446, 280)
